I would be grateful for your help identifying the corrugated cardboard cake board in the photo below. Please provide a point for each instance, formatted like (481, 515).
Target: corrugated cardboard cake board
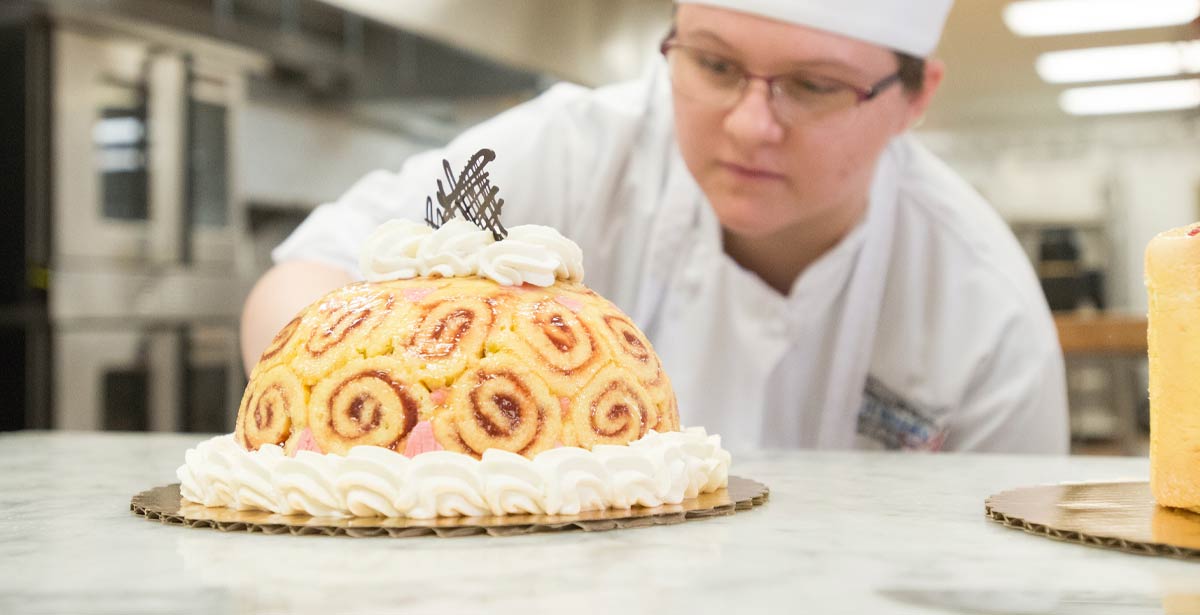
(166, 505)
(1120, 516)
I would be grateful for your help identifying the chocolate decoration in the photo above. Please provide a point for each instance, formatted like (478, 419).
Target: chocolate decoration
(473, 197)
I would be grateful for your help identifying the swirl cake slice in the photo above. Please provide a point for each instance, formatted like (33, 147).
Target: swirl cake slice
(521, 369)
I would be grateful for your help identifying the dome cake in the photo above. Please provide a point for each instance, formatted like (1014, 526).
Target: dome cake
(461, 364)
(472, 373)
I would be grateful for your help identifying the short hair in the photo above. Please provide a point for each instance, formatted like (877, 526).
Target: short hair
(911, 71)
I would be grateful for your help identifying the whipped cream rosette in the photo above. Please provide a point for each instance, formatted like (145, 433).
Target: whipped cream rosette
(371, 481)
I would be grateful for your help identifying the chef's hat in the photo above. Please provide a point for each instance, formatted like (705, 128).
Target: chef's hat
(910, 26)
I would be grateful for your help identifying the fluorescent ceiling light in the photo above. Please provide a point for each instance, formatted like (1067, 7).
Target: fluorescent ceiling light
(1122, 62)
(1132, 97)
(1050, 17)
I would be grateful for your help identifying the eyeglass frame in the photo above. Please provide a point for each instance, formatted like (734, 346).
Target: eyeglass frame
(862, 95)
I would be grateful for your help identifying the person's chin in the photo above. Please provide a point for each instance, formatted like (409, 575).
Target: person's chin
(746, 217)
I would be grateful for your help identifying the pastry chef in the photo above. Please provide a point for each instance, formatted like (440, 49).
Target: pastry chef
(809, 273)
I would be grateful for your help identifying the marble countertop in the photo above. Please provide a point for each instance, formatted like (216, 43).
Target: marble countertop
(841, 533)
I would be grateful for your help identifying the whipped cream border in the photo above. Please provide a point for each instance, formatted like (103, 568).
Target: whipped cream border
(659, 468)
(530, 254)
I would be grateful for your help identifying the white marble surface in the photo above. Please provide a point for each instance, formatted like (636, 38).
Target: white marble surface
(842, 533)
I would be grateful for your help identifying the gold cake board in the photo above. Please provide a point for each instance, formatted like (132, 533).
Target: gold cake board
(1120, 516)
(165, 504)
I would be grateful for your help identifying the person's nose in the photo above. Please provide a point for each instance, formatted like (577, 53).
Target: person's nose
(752, 120)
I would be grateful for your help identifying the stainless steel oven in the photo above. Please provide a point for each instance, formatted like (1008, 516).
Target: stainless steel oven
(144, 284)
(120, 125)
(147, 376)
(143, 136)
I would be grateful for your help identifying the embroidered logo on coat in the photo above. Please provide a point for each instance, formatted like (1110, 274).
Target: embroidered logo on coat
(895, 423)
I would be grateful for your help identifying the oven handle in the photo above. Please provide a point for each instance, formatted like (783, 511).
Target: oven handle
(166, 80)
(186, 238)
(183, 361)
(165, 360)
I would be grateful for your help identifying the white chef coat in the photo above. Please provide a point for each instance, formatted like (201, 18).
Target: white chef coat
(923, 329)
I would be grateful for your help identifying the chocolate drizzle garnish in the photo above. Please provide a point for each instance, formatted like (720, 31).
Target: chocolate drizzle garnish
(473, 197)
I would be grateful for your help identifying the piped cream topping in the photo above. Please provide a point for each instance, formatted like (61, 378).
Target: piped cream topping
(660, 468)
(531, 254)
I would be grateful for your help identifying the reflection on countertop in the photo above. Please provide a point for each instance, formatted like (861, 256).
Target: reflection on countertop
(842, 533)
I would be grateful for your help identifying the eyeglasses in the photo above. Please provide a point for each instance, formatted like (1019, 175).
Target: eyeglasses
(716, 80)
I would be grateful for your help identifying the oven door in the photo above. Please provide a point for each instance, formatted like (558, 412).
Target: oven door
(142, 139)
(211, 214)
(150, 377)
(213, 378)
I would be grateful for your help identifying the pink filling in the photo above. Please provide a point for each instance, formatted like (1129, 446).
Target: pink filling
(1194, 232)
(438, 396)
(935, 444)
(421, 440)
(570, 303)
(305, 442)
(416, 294)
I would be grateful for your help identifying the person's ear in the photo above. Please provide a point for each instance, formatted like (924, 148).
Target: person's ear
(935, 71)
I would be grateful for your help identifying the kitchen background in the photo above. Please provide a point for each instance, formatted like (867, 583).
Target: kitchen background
(153, 151)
